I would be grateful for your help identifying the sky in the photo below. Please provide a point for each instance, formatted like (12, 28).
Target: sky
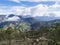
(30, 7)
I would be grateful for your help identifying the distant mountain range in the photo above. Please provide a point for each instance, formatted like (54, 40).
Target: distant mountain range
(34, 22)
(13, 17)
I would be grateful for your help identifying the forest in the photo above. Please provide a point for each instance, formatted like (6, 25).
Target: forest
(22, 34)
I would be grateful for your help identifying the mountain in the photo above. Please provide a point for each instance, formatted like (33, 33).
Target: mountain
(35, 22)
(46, 18)
(2, 18)
(17, 19)
(13, 17)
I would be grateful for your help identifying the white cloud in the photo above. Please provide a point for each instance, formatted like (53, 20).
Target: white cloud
(15, 1)
(21, 10)
(38, 10)
(5, 10)
(41, 10)
(55, 9)
(15, 18)
(57, 14)
(33, 0)
(39, 0)
(55, 5)
(17, 10)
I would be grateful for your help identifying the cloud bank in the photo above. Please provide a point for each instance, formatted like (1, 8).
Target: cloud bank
(38, 10)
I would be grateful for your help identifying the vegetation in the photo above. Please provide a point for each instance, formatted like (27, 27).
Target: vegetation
(21, 34)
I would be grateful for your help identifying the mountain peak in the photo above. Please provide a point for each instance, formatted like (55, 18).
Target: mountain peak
(11, 15)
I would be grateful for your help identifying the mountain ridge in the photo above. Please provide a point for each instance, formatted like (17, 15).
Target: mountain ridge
(33, 21)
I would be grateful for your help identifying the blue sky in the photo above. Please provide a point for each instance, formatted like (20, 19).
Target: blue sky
(26, 3)
(30, 7)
